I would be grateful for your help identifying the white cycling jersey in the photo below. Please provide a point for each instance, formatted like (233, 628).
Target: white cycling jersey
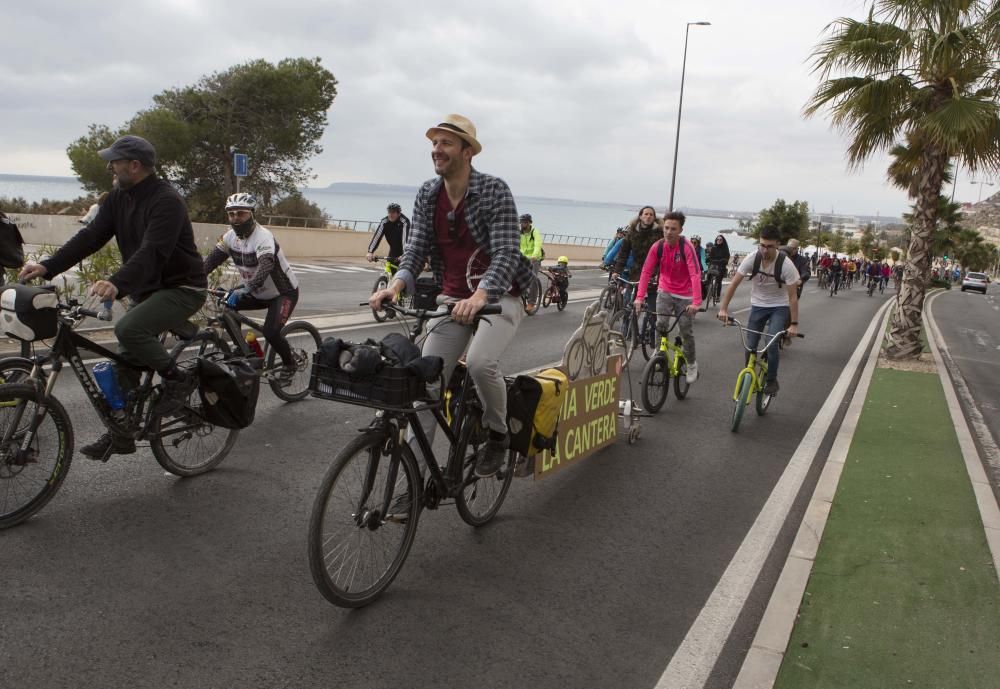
(247, 255)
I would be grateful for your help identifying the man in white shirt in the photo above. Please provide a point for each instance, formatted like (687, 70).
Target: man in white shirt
(774, 299)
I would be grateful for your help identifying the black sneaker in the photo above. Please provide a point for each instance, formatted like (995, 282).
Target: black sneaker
(175, 393)
(107, 445)
(771, 388)
(399, 511)
(492, 456)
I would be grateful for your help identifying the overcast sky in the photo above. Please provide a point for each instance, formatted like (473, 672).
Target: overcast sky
(572, 98)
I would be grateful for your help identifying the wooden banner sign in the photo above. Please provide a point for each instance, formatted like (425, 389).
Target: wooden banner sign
(588, 420)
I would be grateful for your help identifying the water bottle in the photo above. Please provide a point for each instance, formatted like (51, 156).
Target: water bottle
(107, 380)
(254, 344)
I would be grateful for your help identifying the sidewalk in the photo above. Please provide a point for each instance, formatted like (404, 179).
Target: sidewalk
(903, 589)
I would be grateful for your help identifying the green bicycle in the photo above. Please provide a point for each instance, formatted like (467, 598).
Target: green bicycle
(389, 269)
(750, 380)
(667, 362)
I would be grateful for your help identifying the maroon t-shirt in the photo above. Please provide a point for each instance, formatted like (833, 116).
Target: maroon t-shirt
(456, 245)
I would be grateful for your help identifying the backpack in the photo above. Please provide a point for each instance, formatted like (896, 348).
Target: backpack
(779, 262)
(659, 254)
(11, 244)
(533, 407)
(228, 391)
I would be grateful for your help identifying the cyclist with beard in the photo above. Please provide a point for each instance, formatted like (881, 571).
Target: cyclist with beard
(644, 231)
(395, 227)
(268, 281)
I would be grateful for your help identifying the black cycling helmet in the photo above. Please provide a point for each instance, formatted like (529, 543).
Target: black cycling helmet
(394, 207)
(525, 217)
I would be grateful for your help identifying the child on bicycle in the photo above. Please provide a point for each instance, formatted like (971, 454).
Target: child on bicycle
(268, 281)
(562, 275)
(773, 303)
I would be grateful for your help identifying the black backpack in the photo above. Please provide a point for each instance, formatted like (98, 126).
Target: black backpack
(11, 244)
(228, 391)
(778, 264)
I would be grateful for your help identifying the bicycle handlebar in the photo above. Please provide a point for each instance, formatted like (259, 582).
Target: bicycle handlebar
(442, 310)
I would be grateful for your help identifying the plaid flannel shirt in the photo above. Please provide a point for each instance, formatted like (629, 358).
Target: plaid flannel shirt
(491, 216)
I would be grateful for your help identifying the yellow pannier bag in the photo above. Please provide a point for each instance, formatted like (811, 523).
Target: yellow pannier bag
(533, 406)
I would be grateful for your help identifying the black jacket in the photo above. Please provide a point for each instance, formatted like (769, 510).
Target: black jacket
(151, 225)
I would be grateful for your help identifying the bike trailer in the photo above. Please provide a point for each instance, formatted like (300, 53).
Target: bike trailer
(228, 390)
(533, 407)
(29, 313)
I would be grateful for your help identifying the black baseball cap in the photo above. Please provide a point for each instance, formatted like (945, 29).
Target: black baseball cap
(130, 147)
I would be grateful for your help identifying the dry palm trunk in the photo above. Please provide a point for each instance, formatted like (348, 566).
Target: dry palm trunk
(903, 340)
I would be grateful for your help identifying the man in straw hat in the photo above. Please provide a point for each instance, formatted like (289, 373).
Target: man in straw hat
(455, 214)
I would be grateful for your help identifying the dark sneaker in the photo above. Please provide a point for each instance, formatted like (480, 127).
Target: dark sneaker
(771, 388)
(399, 511)
(175, 393)
(284, 375)
(107, 445)
(492, 457)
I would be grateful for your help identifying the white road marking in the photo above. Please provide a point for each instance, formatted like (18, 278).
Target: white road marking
(698, 653)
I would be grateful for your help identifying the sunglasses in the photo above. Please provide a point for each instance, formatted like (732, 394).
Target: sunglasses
(452, 228)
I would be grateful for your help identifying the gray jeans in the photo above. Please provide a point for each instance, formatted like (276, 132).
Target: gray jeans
(449, 341)
(668, 303)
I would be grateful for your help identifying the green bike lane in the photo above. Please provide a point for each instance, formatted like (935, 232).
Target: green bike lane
(903, 588)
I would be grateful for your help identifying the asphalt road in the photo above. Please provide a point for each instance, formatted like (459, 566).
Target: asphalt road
(589, 578)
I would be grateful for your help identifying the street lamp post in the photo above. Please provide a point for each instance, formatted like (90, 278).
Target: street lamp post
(680, 106)
(981, 187)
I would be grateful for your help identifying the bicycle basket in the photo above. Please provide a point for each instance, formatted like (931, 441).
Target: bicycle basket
(392, 386)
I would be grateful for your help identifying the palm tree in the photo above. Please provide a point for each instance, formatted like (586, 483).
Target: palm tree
(923, 73)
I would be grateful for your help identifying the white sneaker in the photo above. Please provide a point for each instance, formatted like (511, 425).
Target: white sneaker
(692, 372)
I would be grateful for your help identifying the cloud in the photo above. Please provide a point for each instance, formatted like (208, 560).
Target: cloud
(574, 99)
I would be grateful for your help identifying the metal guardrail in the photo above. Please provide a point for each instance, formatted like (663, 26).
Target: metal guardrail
(370, 225)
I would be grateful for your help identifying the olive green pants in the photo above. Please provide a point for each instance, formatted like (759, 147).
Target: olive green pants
(138, 331)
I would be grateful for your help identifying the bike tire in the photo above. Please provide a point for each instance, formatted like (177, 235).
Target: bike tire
(15, 370)
(185, 444)
(309, 342)
(655, 383)
(534, 291)
(347, 522)
(561, 304)
(681, 384)
(619, 323)
(742, 399)
(648, 337)
(575, 358)
(481, 498)
(382, 282)
(763, 402)
(546, 301)
(607, 298)
(31, 484)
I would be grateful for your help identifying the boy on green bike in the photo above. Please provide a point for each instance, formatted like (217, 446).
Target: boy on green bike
(774, 301)
(678, 285)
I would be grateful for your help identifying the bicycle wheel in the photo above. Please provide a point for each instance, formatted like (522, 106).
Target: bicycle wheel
(575, 359)
(563, 300)
(681, 384)
(381, 283)
(355, 548)
(622, 322)
(15, 370)
(648, 337)
(185, 444)
(742, 399)
(546, 300)
(481, 498)
(531, 297)
(607, 298)
(763, 402)
(304, 340)
(655, 383)
(29, 479)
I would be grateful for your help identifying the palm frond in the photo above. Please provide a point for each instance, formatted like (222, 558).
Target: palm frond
(860, 47)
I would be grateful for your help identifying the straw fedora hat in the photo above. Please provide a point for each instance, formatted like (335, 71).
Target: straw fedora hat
(459, 126)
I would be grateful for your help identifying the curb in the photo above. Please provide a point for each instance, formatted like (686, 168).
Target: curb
(763, 661)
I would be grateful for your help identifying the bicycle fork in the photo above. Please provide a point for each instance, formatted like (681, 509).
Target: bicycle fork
(23, 456)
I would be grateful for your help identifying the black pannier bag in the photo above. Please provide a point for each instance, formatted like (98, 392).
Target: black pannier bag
(426, 294)
(11, 244)
(29, 313)
(228, 390)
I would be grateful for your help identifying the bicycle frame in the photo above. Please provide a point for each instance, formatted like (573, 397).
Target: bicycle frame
(753, 364)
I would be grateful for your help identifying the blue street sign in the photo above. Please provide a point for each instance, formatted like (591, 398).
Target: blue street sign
(240, 164)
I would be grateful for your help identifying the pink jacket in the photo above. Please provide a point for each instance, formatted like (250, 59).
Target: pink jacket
(680, 276)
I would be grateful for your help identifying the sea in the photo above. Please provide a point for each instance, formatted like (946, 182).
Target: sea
(360, 204)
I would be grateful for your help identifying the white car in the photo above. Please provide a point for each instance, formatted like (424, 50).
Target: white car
(975, 281)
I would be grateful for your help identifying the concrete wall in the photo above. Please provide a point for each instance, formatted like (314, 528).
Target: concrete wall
(296, 242)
